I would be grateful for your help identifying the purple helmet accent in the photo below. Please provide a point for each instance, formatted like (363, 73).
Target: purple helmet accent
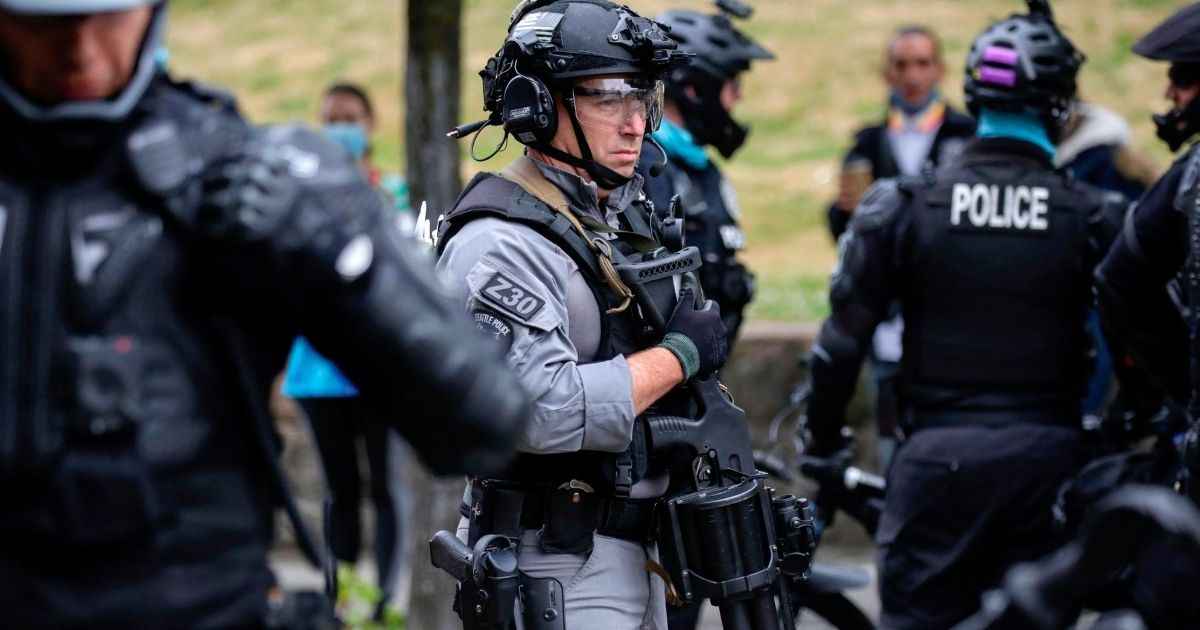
(1024, 64)
(997, 76)
(1001, 55)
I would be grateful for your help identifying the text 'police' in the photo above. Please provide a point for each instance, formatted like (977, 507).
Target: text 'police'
(1019, 207)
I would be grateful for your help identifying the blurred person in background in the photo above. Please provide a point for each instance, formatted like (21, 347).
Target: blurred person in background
(340, 422)
(920, 129)
(159, 256)
(348, 119)
(699, 114)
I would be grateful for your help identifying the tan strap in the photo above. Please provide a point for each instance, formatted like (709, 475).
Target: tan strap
(673, 597)
(526, 174)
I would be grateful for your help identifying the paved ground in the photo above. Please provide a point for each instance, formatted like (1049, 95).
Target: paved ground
(294, 572)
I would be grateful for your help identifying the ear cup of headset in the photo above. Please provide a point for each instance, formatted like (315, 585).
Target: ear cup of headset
(529, 113)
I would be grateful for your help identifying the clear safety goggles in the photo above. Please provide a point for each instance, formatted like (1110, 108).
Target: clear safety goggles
(611, 103)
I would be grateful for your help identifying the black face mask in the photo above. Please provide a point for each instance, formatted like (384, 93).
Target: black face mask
(705, 118)
(1173, 127)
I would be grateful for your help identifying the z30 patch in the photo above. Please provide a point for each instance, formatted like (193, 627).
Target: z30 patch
(511, 298)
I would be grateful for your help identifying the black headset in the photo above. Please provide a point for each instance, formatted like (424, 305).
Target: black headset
(529, 112)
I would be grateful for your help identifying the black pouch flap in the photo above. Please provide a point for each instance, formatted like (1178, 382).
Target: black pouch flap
(571, 516)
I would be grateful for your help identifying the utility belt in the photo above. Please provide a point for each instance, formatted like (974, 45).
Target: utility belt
(914, 419)
(566, 514)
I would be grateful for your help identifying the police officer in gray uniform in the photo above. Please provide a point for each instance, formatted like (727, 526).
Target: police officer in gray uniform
(159, 254)
(577, 82)
(991, 260)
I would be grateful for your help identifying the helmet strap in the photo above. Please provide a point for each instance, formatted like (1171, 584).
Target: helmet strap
(604, 177)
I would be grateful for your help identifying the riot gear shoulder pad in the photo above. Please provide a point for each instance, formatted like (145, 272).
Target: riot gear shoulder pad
(251, 194)
(220, 100)
(880, 204)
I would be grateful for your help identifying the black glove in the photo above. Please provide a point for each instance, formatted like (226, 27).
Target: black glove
(696, 336)
(246, 197)
(832, 454)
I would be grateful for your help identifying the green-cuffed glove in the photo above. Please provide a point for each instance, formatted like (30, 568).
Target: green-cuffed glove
(696, 336)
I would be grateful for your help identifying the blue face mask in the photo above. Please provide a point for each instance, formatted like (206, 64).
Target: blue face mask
(350, 136)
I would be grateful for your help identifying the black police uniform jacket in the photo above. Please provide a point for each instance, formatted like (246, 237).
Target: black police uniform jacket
(711, 216)
(1148, 288)
(148, 297)
(1134, 283)
(991, 260)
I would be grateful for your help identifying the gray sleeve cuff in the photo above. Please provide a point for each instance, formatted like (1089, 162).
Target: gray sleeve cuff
(608, 401)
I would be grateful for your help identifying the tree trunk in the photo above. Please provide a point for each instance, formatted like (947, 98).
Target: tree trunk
(432, 96)
(435, 506)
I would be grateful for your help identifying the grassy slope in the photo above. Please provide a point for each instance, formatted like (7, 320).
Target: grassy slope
(278, 54)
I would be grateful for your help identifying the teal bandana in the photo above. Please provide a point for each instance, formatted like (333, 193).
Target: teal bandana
(680, 145)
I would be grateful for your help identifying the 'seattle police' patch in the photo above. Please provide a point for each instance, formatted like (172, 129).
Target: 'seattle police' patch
(506, 295)
(494, 326)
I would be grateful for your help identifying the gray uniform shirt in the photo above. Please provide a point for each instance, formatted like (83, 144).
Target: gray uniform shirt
(532, 296)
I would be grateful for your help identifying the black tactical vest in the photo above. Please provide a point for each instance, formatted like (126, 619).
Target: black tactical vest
(623, 333)
(116, 427)
(996, 298)
(712, 225)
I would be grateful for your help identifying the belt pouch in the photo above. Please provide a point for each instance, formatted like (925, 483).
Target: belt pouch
(570, 524)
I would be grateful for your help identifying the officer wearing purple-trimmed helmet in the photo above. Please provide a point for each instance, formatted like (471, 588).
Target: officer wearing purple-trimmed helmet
(990, 259)
(158, 255)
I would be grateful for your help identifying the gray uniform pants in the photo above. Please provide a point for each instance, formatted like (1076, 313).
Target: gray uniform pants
(608, 589)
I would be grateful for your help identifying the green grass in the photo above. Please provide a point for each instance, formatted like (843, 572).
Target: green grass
(278, 54)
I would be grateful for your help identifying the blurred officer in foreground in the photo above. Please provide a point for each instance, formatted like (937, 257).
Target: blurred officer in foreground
(159, 255)
(991, 260)
(578, 83)
(698, 113)
(1137, 284)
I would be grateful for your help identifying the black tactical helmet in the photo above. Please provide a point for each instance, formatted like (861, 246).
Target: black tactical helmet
(1024, 64)
(553, 44)
(1177, 40)
(722, 52)
(112, 109)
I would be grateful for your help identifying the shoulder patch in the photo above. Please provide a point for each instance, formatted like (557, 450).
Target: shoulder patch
(494, 326)
(502, 291)
(878, 205)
